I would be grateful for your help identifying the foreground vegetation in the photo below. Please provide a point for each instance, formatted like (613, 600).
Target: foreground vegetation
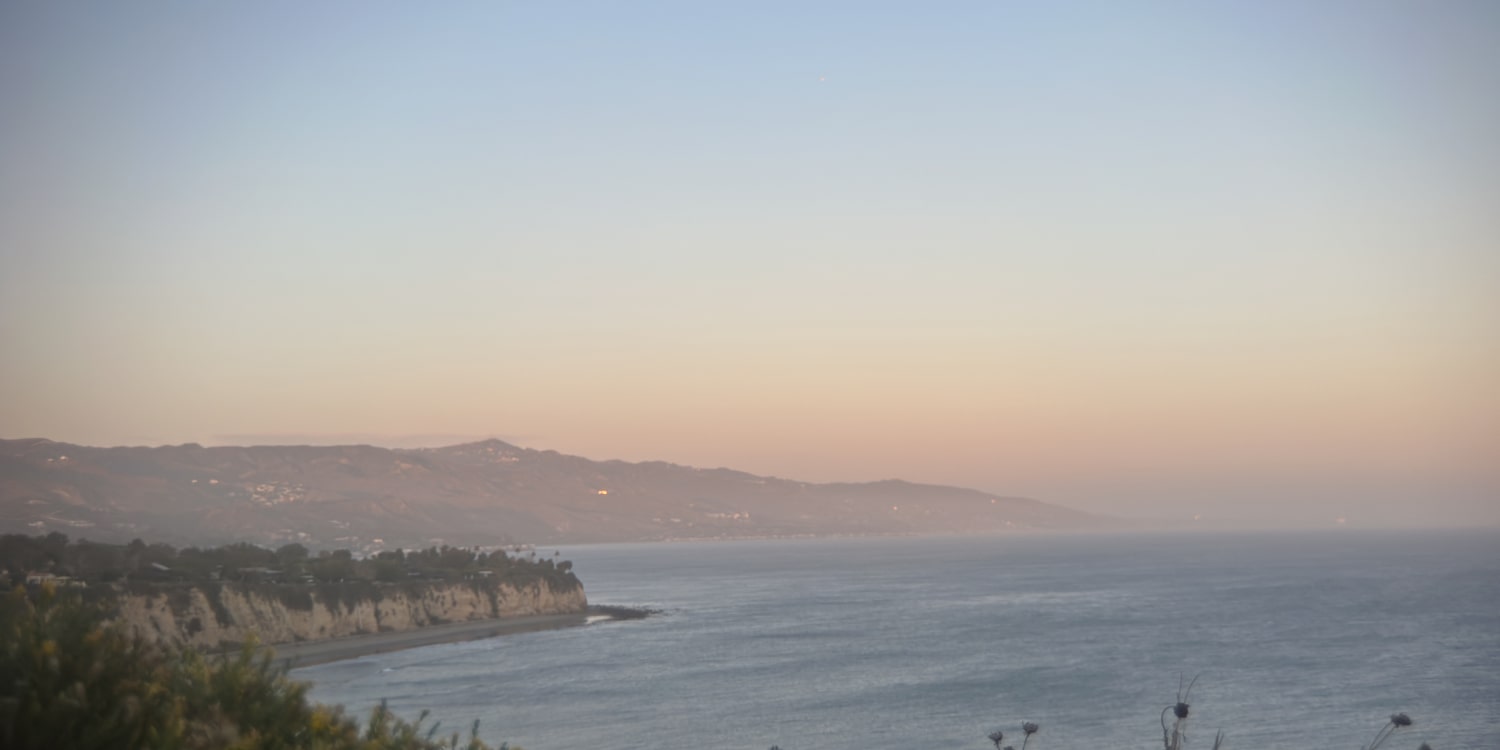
(1174, 734)
(69, 679)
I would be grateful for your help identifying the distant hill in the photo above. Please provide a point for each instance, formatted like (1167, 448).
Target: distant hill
(477, 493)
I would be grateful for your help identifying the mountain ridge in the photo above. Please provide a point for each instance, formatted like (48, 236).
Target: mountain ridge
(483, 492)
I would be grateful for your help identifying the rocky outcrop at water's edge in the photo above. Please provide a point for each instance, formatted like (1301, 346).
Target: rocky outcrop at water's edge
(216, 616)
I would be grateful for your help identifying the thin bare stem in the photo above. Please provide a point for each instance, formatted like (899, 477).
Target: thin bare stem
(1183, 697)
(1398, 721)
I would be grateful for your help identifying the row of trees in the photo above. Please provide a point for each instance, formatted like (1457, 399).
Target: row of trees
(96, 562)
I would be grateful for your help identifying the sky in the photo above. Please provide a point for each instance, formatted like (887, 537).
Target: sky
(1233, 260)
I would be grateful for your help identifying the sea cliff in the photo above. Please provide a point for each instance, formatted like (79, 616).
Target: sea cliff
(213, 616)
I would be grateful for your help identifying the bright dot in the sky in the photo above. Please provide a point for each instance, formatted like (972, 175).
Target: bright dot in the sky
(822, 79)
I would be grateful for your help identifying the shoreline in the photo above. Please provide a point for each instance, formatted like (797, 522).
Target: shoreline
(309, 653)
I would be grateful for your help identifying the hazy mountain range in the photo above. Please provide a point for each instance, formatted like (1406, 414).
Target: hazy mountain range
(476, 493)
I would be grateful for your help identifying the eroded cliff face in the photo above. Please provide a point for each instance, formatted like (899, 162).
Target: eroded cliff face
(211, 617)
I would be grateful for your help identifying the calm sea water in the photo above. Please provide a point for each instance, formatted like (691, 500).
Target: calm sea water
(1301, 641)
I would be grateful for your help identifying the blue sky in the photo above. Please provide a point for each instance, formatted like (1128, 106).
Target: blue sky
(1156, 258)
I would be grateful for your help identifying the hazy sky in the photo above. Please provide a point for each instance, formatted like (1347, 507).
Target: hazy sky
(1236, 259)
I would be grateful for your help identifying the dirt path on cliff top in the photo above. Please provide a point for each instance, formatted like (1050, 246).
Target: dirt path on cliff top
(308, 653)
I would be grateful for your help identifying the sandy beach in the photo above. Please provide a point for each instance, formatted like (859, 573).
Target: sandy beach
(308, 653)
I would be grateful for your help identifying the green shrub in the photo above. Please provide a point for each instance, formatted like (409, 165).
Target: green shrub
(69, 679)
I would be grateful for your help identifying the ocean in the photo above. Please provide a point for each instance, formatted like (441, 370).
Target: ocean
(1297, 640)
